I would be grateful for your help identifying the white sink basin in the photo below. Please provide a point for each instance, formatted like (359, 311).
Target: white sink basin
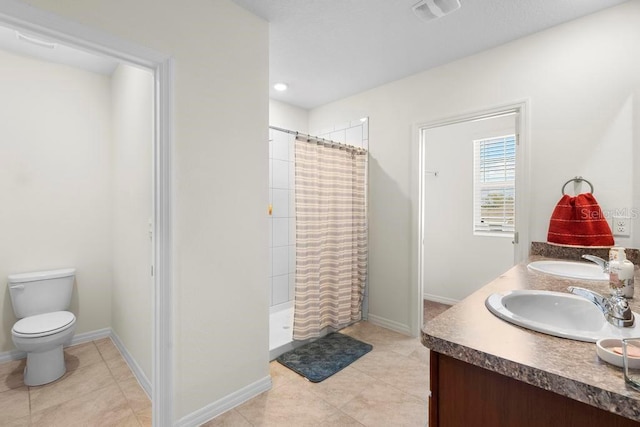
(555, 313)
(572, 270)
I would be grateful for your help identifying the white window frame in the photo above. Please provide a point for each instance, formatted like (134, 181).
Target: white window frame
(508, 168)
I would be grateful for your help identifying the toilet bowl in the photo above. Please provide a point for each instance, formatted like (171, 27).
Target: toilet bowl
(42, 337)
(39, 300)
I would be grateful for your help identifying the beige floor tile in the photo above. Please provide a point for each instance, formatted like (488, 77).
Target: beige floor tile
(72, 385)
(14, 404)
(81, 355)
(12, 374)
(138, 399)
(107, 348)
(119, 369)
(383, 405)
(20, 422)
(393, 341)
(433, 309)
(339, 388)
(103, 407)
(422, 355)
(281, 374)
(341, 419)
(229, 419)
(286, 405)
(402, 372)
(145, 417)
(363, 330)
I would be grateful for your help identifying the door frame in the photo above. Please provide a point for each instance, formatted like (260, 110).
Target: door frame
(521, 249)
(36, 21)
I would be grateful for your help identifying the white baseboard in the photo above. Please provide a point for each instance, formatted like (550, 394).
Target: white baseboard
(389, 324)
(90, 336)
(135, 368)
(441, 300)
(221, 406)
(8, 356)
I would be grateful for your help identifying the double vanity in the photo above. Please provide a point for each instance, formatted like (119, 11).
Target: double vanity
(488, 369)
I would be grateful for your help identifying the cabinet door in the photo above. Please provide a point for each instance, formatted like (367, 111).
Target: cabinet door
(466, 395)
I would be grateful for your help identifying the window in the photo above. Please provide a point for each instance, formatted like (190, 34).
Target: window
(494, 186)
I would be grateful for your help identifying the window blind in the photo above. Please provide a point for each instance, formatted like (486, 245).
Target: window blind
(494, 185)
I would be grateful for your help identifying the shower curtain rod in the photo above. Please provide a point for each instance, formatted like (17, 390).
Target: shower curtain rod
(325, 142)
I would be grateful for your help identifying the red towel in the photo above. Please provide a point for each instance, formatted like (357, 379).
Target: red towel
(579, 221)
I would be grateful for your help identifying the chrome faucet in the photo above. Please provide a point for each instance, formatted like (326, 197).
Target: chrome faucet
(601, 262)
(615, 309)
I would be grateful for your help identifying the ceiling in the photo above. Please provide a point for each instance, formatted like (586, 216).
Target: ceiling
(326, 50)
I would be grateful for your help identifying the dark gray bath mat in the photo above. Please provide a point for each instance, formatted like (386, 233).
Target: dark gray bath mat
(320, 359)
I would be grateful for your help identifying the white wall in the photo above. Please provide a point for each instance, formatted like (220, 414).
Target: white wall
(55, 182)
(132, 296)
(583, 83)
(221, 121)
(450, 276)
(288, 116)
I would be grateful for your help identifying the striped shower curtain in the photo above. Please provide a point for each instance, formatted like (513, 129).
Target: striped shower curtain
(331, 236)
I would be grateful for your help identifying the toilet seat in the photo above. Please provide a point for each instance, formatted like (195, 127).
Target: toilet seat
(42, 325)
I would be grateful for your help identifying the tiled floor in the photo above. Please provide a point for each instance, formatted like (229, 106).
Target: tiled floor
(386, 387)
(433, 309)
(97, 390)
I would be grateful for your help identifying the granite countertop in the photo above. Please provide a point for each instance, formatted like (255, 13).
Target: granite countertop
(469, 332)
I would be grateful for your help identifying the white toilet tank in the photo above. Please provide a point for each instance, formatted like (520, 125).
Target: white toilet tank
(41, 291)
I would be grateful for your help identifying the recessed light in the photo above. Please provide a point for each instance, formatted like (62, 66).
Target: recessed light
(280, 87)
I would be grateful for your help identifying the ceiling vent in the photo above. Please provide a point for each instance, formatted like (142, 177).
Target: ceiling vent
(428, 10)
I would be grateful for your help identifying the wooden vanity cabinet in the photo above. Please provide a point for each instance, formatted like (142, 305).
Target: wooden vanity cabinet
(466, 395)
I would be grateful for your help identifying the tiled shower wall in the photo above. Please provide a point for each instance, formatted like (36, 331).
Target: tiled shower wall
(282, 221)
(353, 133)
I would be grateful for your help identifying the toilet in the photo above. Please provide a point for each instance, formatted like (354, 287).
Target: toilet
(39, 300)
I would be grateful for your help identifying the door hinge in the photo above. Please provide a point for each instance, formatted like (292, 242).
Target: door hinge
(515, 238)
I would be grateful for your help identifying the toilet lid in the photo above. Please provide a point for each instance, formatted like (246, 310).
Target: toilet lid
(43, 324)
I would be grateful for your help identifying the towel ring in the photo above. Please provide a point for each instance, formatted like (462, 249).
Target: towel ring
(576, 179)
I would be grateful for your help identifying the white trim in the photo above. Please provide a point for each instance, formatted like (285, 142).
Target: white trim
(228, 402)
(133, 365)
(35, 21)
(84, 337)
(8, 356)
(441, 300)
(389, 324)
(523, 159)
(162, 365)
(416, 305)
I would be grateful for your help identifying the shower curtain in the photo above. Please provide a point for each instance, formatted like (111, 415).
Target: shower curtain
(331, 236)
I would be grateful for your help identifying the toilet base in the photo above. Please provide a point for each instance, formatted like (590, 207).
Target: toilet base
(44, 367)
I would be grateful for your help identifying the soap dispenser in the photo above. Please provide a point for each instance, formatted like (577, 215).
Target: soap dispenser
(621, 273)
